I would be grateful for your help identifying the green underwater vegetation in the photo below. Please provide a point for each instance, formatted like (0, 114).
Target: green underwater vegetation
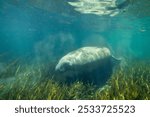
(35, 82)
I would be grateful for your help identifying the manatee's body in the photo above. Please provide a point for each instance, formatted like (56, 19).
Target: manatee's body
(87, 62)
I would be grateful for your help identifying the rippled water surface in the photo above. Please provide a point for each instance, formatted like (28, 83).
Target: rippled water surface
(51, 28)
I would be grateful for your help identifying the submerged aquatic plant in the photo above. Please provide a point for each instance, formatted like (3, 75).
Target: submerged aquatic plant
(131, 83)
(33, 82)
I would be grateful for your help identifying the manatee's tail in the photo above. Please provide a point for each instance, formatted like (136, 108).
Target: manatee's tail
(115, 61)
(119, 61)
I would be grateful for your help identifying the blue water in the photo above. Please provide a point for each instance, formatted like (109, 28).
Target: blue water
(48, 29)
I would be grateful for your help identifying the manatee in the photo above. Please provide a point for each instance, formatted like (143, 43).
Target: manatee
(87, 63)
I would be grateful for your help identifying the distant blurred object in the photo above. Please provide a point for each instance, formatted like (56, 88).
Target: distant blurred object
(54, 46)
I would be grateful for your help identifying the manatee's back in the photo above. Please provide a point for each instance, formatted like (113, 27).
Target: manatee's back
(87, 58)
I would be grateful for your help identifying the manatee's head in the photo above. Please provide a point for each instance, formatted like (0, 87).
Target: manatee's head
(62, 67)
